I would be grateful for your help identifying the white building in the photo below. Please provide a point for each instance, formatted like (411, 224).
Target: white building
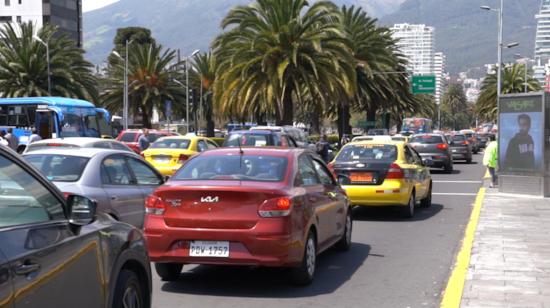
(542, 43)
(66, 14)
(416, 42)
(439, 71)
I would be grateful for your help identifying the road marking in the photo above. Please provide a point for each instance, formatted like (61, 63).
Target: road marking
(460, 182)
(452, 295)
(454, 194)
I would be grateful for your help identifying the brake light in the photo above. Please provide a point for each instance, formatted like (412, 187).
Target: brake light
(331, 168)
(395, 172)
(154, 205)
(465, 143)
(55, 144)
(66, 195)
(278, 207)
(442, 146)
(183, 158)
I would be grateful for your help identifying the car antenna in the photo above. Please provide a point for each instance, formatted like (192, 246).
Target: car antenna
(241, 152)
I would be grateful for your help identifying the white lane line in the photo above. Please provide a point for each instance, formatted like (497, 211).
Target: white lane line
(454, 194)
(458, 182)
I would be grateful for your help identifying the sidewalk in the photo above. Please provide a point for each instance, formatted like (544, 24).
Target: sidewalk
(510, 260)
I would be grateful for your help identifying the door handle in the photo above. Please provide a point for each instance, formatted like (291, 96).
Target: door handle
(114, 198)
(25, 269)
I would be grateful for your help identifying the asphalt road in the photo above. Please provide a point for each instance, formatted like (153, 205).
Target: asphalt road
(393, 262)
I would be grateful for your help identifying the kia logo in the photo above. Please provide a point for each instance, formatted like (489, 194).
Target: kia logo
(210, 199)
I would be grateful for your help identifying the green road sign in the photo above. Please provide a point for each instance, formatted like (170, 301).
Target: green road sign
(423, 84)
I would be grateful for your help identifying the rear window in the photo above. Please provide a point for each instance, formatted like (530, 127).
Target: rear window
(382, 152)
(152, 137)
(181, 144)
(252, 140)
(234, 167)
(129, 137)
(458, 138)
(60, 168)
(427, 139)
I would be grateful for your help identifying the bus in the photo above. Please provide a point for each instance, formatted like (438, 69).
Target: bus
(53, 117)
(417, 125)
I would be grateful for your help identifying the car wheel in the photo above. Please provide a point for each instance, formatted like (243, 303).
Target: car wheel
(303, 275)
(449, 168)
(427, 202)
(408, 210)
(128, 291)
(469, 160)
(344, 244)
(168, 271)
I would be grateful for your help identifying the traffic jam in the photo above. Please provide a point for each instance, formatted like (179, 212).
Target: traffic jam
(73, 199)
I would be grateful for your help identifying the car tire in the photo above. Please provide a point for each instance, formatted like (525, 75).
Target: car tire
(344, 244)
(427, 202)
(408, 210)
(303, 274)
(168, 271)
(449, 168)
(469, 160)
(128, 291)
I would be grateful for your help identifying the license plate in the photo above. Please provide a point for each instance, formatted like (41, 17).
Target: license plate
(162, 159)
(363, 177)
(209, 249)
(454, 151)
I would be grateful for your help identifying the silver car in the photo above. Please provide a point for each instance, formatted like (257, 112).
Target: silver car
(77, 142)
(118, 181)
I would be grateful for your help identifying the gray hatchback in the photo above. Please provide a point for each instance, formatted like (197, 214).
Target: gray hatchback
(435, 147)
(461, 148)
(119, 181)
(57, 252)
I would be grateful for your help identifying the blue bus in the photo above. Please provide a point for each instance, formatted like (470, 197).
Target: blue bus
(53, 117)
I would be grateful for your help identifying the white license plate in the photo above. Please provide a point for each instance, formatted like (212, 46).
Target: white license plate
(162, 159)
(454, 151)
(209, 249)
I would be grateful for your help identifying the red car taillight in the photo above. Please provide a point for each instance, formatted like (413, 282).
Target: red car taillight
(154, 205)
(395, 172)
(331, 169)
(183, 158)
(442, 146)
(465, 143)
(278, 207)
(66, 195)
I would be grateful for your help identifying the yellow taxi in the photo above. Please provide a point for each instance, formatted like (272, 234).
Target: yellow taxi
(388, 173)
(169, 153)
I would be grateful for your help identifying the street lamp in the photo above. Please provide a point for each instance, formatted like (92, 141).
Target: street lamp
(499, 51)
(38, 39)
(126, 107)
(186, 86)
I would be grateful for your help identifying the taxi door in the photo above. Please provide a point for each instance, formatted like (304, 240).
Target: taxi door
(417, 172)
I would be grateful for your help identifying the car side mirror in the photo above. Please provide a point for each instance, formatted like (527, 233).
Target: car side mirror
(427, 162)
(81, 210)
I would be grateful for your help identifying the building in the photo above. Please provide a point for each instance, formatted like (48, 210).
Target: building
(542, 43)
(66, 14)
(439, 72)
(416, 42)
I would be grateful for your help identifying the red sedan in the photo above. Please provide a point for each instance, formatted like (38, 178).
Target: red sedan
(252, 206)
(131, 137)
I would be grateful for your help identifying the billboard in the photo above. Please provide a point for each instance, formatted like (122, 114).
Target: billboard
(521, 133)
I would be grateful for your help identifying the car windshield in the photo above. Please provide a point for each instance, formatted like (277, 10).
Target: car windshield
(60, 168)
(427, 139)
(253, 140)
(458, 138)
(370, 152)
(128, 137)
(171, 144)
(234, 167)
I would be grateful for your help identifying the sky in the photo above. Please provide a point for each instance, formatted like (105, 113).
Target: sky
(89, 5)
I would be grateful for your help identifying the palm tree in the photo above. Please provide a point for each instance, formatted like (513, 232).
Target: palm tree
(382, 80)
(277, 51)
(455, 100)
(513, 81)
(23, 65)
(151, 81)
(204, 74)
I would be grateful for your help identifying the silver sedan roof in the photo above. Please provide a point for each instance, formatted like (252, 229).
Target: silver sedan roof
(81, 152)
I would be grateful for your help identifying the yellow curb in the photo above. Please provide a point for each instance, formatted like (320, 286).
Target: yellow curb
(487, 175)
(455, 286)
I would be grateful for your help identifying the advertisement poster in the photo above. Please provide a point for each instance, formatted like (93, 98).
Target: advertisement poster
(521, 135)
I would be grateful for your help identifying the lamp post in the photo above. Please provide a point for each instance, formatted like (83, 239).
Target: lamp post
(186, 86)
(525, 61)
(38, 39)
(126, 103)
(499, 51)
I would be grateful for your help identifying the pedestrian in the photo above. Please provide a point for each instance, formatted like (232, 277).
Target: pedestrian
(322, 148)
(3, 140)
(34, 136)
(143, 142)
(12, 139)
(490, 159)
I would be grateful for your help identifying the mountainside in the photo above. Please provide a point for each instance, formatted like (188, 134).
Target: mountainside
(184, 24)
(468, 34)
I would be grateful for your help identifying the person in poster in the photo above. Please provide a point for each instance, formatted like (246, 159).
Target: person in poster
(521, 148)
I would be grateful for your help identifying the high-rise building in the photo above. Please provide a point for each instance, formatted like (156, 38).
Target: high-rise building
(439, 72)
(416, 42)
(65, 14)
(542, 43)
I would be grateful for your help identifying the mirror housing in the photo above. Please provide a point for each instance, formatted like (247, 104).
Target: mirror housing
(427, 162)
(81, 210)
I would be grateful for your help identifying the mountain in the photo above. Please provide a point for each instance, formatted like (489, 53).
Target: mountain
(468, 34)
(183, 24)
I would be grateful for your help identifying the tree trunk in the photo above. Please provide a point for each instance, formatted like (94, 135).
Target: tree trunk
(146, 118)
(261, 119)
(210, 125)
(315, 119)
(343, 120)
(371, 118)
(288, 108)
